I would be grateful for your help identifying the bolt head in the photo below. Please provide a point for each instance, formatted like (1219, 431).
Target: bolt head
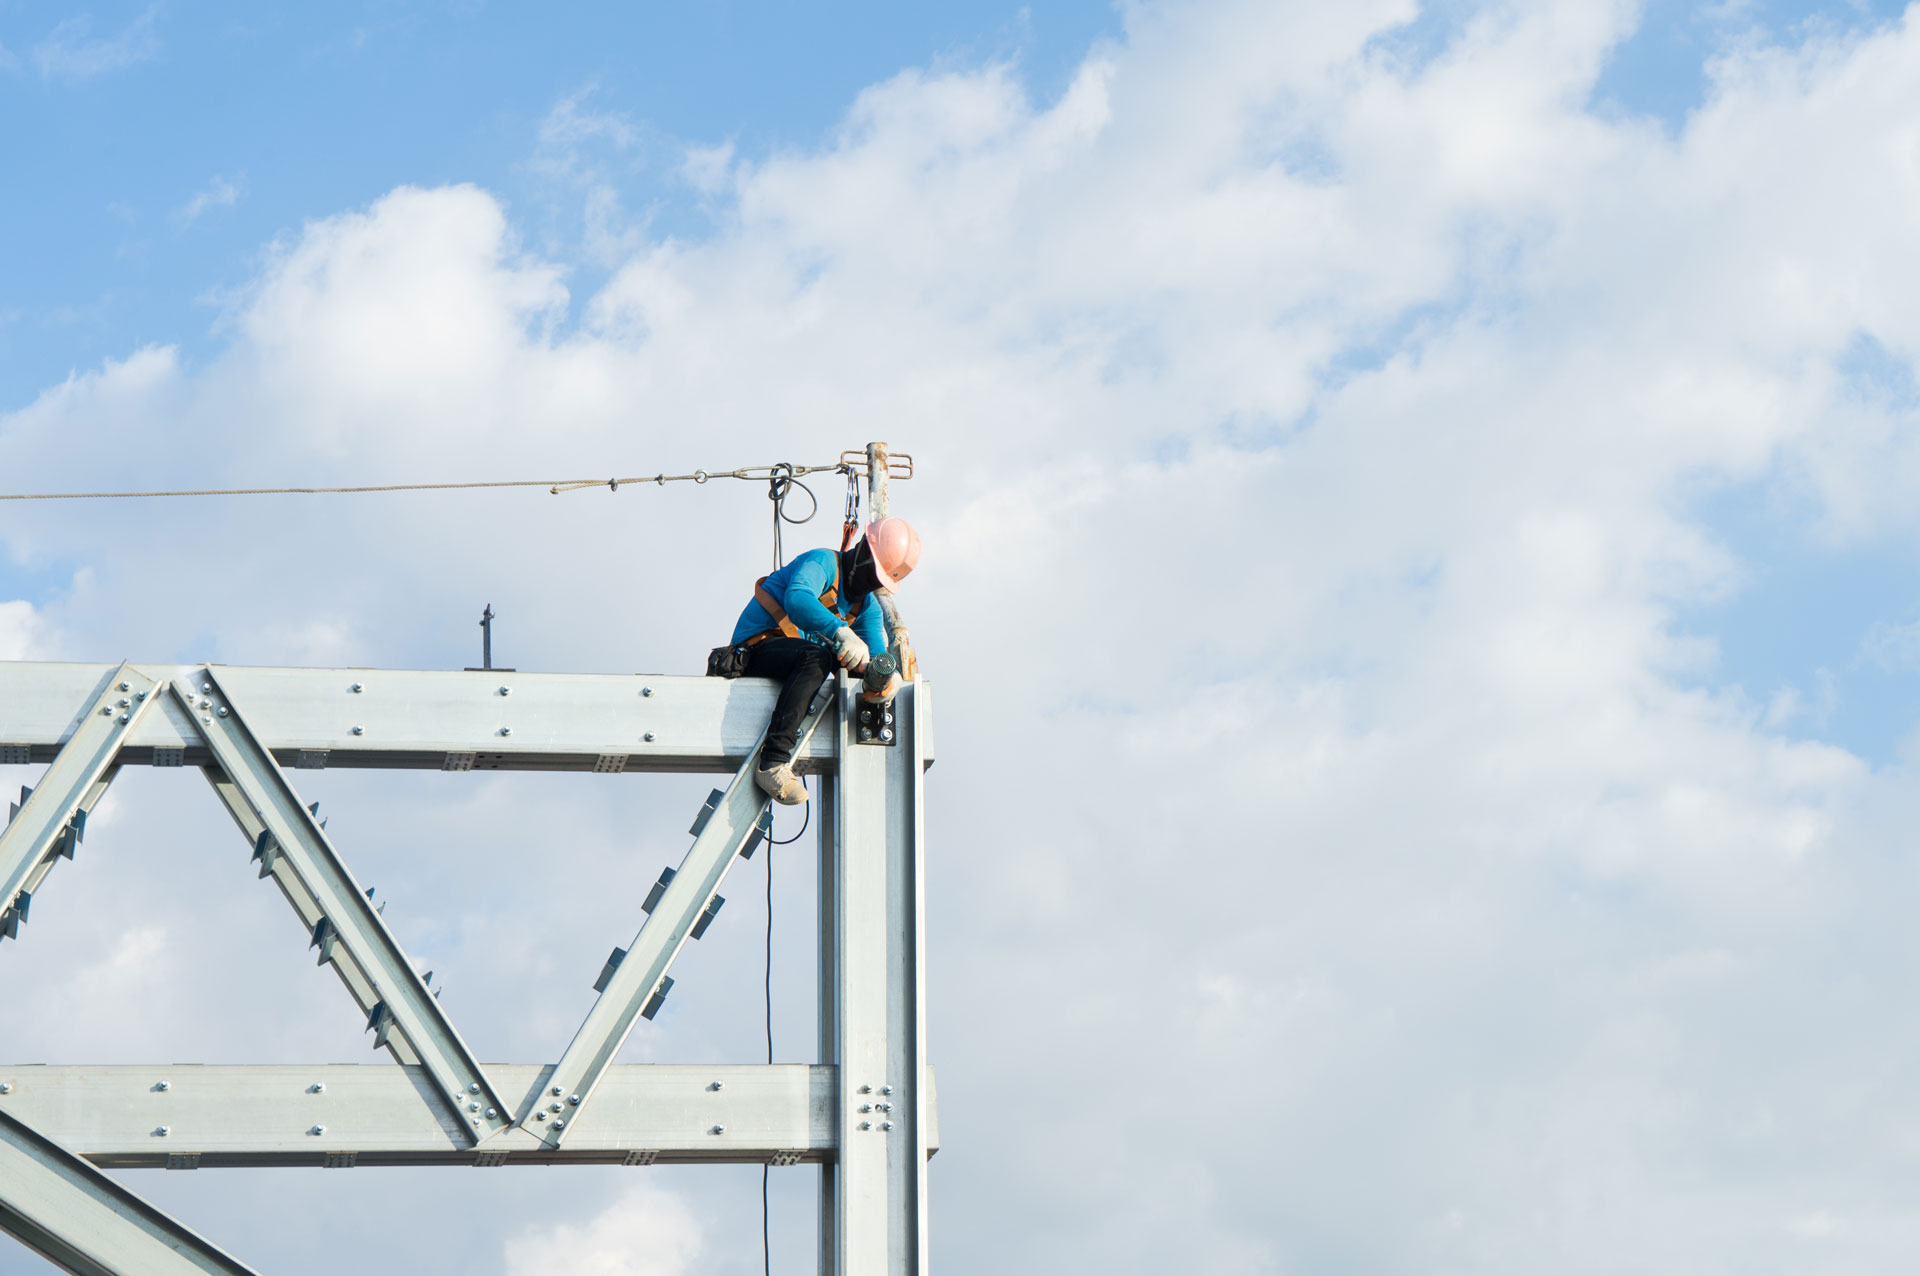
(318, 1087)
(473, 1087)
(126, 717)
(506, 730)
(490, 1112)
(719, 1129)
(356, 688)
(164, 1131)
(866, 1107)
(557, 1091)
(473, 1107)
(506, 691)
(559, 1124)
(6, 1087)
(866, 1089)
(223, 711)
(123, 702)
(318, 1129)
(886, 1125)
(866, 1125)
(554, 1107)
(162, 1086)
(573, 1100)
(359, 730)
(126, 686)
(648, 737)
(646, 691)
(886, 1089)
(717, 1085)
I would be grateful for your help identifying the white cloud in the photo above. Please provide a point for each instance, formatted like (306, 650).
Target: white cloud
(645, 1232)
(70, 51)
(1307, 442)
(19, 630)
(221, 192)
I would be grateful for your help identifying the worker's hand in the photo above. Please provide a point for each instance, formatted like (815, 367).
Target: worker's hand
(850, 649)
(886, 693)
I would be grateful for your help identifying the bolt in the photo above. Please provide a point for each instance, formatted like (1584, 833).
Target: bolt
(646, 691)
(506, 691)
(473, 1087)
(866, 1089)
(356, 688)
(473, 1107)
(124, 702)
(886, 735)
(866, 1125)
(126, 717)
(716, 1085)
(886, 1089)
(318, 1129)
(557, 1090)
(866, 1107)
(223, 711)
(648, 737)
(207, 687)
(205, 703)
(106, 710)
(506, 730)
(540, 1115)
(719, 1129)
(161, 1086)
(206, 719)
(490, 1112)
(884, 1107)
(318, 1087)
(164, 1131)
(558, 1124)
(126, 686)
(573, 1100)
(555, 1107)
(886, 1125)
(6, 1087)
(359, 730)
(139, 695)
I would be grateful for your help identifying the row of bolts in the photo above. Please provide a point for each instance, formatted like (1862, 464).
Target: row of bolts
(358, 688)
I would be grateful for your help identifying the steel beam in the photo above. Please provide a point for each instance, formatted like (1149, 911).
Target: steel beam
(111, 707)
(638, 978)
(305, 864)
(77, 1218)
(424, 719)
(377, 1114)
(879, 1183)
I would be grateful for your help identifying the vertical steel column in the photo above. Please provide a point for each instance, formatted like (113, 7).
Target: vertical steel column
(880, 1185)
(827, 973)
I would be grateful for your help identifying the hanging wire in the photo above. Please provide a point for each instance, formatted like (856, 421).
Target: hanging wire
(780, 484)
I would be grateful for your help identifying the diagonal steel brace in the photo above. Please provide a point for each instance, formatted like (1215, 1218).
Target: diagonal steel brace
(640, 976)
(401, 1005)
(77, 1218)
(76, 779)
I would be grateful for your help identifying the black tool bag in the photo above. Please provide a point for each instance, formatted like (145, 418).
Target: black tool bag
(727, 662)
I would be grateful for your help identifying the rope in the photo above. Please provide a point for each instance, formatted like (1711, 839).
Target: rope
(753, 473)
(780, 485)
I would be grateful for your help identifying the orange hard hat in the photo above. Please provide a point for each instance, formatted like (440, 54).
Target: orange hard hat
(896, 550)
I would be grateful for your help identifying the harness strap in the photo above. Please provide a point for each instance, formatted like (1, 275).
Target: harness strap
(783, 624)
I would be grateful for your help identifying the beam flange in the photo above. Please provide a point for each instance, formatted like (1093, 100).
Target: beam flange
(638, 978)
(70, 1213)
(404, 1006)
(219, 1116)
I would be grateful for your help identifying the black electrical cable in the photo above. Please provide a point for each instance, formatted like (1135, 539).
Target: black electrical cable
(766, 1246)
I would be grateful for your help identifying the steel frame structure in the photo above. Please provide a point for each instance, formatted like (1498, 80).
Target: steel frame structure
(864, 1114)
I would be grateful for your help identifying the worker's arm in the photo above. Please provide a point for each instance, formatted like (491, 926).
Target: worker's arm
(813, 574)
(871, 624)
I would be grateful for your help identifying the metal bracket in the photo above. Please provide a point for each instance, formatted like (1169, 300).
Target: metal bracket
(875, 724)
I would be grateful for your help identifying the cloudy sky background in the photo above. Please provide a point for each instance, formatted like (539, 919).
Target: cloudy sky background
(1420, 581)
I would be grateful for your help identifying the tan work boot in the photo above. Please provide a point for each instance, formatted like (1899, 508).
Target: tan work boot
(781, 784)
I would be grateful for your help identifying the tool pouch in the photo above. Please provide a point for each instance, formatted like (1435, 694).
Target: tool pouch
(727, 662)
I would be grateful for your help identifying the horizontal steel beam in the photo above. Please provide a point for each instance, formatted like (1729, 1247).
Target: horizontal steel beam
(77, 1218)
(420, 719)
(384, 1114)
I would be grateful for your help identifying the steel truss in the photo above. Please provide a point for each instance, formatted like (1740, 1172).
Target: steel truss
(864, 1114)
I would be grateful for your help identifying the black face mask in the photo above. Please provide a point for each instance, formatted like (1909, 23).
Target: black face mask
(857, 571)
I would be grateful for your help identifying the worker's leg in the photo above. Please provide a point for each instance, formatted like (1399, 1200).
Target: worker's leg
(799, 667)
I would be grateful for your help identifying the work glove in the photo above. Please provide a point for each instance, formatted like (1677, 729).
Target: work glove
(850, 650)
(887, 692)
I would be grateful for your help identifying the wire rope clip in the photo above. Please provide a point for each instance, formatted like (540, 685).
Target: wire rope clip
(652, 901)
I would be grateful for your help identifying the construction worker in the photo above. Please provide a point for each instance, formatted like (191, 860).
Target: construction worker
(817, 611)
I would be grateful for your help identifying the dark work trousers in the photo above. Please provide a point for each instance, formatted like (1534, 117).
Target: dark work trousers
(799, 667)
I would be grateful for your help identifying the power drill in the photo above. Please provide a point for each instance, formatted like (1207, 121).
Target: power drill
(875, 725)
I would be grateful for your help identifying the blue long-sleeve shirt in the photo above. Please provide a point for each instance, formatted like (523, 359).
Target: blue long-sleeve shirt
(798, 586)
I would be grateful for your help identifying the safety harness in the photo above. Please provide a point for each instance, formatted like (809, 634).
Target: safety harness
(783, 626)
